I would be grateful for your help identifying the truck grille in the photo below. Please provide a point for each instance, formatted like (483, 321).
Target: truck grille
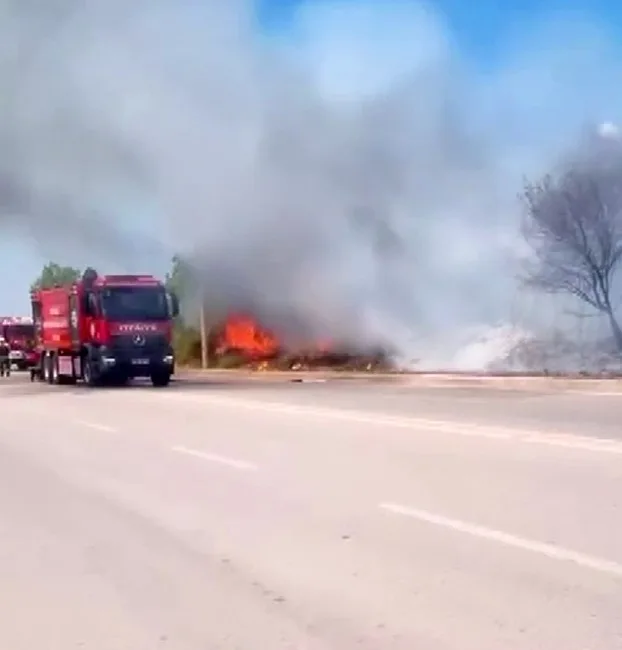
(147, 345)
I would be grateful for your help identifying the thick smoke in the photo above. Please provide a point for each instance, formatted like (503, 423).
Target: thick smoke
(355, 181)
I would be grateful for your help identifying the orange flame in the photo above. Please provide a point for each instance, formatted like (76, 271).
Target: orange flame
(243, 334)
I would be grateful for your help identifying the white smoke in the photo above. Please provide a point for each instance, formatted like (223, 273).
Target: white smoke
(609, 130)
(357, 179)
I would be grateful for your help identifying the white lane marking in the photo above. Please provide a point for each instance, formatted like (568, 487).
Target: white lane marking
(549, 550)
(550, 438)
(214, 458)
(96, 426)
(347, 415)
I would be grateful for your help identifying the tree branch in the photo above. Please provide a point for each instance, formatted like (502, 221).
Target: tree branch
(573, 224)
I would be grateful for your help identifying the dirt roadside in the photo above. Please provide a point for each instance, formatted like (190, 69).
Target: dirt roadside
(601, 385)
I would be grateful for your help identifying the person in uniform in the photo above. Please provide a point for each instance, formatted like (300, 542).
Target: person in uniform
(5, 361)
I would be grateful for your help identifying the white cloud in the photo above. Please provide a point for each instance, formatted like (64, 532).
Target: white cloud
(609, 130)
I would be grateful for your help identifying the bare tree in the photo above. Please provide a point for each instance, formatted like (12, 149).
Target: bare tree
(573, 224)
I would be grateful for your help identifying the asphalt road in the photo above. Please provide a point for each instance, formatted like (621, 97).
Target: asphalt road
(250, 515)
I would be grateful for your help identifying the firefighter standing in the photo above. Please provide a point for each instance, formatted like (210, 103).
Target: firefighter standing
(5, 361)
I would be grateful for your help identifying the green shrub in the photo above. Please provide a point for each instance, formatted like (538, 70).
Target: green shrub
(187, 345)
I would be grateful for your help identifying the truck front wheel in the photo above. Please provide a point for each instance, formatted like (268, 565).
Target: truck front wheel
(160, 379)
(87, 372)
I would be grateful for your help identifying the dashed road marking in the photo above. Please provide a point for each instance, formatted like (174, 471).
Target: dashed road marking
(234, 463)
(96, 426)
(540, 437)
(549, 550)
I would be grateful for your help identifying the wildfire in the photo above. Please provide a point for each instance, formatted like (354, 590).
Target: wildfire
(257, 347)
(244, 335)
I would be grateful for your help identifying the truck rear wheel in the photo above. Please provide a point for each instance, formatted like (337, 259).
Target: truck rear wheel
(48, 368)
(55, 377)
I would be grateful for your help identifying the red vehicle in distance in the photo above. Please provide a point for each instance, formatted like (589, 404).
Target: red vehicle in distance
(19, 332)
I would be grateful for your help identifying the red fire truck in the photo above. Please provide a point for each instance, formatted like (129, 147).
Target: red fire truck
(19, 332)
(104, 330)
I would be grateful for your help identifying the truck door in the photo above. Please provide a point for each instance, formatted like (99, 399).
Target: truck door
(74, 319)
(38, 324)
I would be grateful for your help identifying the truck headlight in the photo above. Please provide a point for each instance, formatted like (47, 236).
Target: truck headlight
(169, 358)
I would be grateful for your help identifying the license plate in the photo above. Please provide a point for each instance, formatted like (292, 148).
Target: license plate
(140, 362)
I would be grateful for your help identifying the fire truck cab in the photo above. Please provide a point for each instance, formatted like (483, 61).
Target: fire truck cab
(105, 330)
(19, 332)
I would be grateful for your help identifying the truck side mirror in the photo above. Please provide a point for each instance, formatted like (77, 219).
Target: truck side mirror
(90, 304)
(174, 303)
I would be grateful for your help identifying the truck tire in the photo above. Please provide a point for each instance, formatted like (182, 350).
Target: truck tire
(55, 377)
(87, 373)
(48, 365)
(160, 379)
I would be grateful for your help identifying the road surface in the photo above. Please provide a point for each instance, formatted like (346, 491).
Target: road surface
(328, 516)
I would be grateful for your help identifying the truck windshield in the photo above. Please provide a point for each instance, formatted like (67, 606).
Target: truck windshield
(134, 303)
(19, 332)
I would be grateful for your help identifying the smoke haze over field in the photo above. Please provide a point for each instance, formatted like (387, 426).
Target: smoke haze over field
(355, 174)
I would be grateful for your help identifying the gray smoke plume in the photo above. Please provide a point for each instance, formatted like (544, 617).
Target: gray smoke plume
(359, 184)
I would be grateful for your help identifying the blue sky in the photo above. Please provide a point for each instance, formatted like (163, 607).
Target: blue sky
(483, 32)
(480, 29)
